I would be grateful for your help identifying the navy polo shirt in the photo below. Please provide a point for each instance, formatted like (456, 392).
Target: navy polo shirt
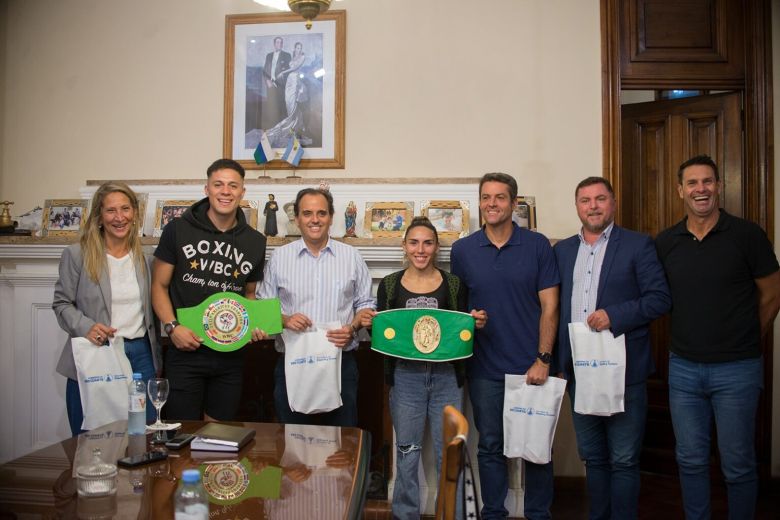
(506, 283)
(714, 296)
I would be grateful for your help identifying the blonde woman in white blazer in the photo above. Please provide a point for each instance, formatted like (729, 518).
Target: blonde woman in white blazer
(103, 291)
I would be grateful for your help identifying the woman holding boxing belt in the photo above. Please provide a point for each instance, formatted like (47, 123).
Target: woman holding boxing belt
(103, 291)
(420, 389)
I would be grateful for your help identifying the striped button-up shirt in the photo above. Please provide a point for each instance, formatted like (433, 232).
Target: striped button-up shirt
(326, 288)
(587, 272)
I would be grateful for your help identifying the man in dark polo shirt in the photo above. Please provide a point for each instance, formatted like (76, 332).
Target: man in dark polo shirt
(511, 273)
(725, 284)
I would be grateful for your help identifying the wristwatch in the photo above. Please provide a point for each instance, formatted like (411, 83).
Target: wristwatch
(168, 327)
(544, 357)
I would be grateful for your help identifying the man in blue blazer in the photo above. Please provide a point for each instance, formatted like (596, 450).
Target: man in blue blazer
(610, 279)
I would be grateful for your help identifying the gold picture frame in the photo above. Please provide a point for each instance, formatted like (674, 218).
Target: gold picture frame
(64, 217)
(525, 212)
(387, 219)
(168, 210)
(449, 217)
(249, 207)
(255, 102)
(143, 201)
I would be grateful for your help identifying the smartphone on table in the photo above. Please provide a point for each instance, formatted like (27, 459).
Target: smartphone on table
(144, 458)
(180, 441)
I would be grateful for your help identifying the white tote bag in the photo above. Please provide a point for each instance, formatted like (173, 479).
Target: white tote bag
(530, 416)
(309, 445)
(312, 366)
(104, 375)
(599, 361)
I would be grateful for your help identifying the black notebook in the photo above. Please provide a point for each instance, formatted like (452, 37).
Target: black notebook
(221, 437)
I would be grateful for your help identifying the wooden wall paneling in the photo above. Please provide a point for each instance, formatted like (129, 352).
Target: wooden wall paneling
(759, 179)
(610, 96)
(751, 21)
(692, 44)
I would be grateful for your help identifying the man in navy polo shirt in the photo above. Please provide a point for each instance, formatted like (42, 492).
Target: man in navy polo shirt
(512, 274)
(725, 287)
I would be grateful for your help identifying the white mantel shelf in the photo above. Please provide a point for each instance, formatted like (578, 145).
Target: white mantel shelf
(376, 252)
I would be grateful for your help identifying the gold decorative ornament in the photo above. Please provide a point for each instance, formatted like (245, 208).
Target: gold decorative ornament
(309, 9)
(226, 481)
(465, 335)
(426, 334)
(5, 215)
(389, 333)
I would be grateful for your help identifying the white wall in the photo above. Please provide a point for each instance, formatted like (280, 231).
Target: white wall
(102, 89)
(115, 89)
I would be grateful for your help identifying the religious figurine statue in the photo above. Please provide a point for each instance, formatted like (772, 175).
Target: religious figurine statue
(271, 207)
(292, 227)
(350, 216)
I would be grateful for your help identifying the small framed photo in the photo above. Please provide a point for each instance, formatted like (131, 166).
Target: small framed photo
(525, 212)
(387, 219)
(143, 200)
(64, 217)
(249, 207)
(168, 210)
(449, 217)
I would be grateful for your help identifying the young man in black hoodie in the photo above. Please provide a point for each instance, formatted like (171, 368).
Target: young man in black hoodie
(210, 249)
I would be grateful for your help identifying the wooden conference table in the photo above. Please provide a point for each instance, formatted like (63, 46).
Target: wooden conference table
(286, 472)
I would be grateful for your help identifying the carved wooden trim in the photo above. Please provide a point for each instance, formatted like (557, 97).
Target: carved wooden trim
(610, 96)
(759, 166)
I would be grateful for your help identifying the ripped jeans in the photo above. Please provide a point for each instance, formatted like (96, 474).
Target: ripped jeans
(420, 392)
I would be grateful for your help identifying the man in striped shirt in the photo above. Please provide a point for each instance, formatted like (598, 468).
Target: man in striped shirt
(320, 280)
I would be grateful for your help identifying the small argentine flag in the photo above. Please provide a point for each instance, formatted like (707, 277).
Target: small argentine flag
(264, 152)
(294, 151)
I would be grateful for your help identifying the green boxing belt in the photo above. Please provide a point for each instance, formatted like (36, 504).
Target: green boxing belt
(235, 481)
(423, 334)
(226, 320)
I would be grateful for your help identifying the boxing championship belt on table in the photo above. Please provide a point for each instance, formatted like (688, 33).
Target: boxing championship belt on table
(423, 334)
(232, 482)
(226, 320)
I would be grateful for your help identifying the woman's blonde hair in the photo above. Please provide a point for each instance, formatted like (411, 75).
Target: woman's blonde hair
(93, 247)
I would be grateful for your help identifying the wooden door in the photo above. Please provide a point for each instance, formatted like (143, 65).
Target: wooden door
(656, 138)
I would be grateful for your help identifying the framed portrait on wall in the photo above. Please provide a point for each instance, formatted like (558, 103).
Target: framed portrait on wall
(282, 79)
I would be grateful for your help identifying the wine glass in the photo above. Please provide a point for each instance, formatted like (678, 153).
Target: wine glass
(158, 394)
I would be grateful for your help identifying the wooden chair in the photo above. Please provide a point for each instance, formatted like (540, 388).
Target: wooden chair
(455, 433)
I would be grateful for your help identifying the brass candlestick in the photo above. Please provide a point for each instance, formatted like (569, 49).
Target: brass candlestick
(5, 215)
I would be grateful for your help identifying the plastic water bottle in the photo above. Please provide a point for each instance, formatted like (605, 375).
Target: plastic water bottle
(191, 500)
(136, 411)
(136, 445)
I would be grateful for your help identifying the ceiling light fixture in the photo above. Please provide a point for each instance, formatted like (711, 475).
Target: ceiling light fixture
(308, 9)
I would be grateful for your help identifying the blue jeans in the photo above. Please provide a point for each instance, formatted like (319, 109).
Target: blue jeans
(139, 353)
(420, 392)
(610, 447)
(487, 400)
(345, 415)
(728, 392)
